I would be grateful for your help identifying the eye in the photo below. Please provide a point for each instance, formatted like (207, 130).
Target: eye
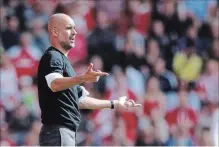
(69, 28)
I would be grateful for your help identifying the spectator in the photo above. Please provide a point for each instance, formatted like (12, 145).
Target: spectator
(205, 40)
(40, 35)
(161, 127)
(198, 8)
(36, 11)
(129, 117)
(131, 55)
(209, 81)
(86, 129)
(28, 89)
(135, 81)
(215, 29)
(100, 87)
(27, 56)
(119, 136)
(182, 115)
(3, 18)
(189, 36)
(5, 139)
(167, 79)
(212, 14)
(141, 15)
(214, 51)
(158, 33)
(187, 64)
(206, 137)
(205, 115)
(153, 52)
(146, 137)
(137, 40)
(154, 98)
(10, 32)
(182, 137)
(31, 138)
(10, 95)
(20, 123)
(102, 46)
(194, 100)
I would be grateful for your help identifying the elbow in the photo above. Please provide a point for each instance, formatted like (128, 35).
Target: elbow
(55, 87)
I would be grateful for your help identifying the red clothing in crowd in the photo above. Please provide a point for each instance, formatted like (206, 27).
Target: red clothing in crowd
(89, 17)
(25, 60)
(149, 105)
(142, 22)
(181, 116)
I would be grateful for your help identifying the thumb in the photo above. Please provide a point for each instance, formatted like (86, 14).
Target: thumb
(90, 67)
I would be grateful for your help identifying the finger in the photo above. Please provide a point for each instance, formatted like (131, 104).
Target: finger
(90, 67)
(100, 73)
(128, 104)
(137, 105)
(95, 73)
(132, 102)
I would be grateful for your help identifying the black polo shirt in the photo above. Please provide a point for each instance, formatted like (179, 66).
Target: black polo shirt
(58, 107)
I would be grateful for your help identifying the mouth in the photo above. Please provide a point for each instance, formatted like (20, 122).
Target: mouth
(72, 40)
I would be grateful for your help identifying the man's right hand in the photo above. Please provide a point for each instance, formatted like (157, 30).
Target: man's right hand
(92, 76)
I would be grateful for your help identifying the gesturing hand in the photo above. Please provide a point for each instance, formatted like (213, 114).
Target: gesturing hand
(123, 102)
(92, 76)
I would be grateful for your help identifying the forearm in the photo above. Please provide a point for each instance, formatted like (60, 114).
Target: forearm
(60, 84)
(93, 103)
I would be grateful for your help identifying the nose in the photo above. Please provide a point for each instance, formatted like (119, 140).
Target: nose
(74, 32)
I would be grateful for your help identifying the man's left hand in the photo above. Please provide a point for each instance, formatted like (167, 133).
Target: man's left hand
(124, 102)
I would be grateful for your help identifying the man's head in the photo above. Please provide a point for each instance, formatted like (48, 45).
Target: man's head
(212, 67)
(25, 39)
(12, 22)
(62, 31)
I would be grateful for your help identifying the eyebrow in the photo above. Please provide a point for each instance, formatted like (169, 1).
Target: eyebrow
(70, 26)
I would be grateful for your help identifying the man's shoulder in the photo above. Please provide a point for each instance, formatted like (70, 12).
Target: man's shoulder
(52, 53)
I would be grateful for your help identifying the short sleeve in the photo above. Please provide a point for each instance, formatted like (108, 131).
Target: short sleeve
(55, 63)
(82, 93)
(79, 91)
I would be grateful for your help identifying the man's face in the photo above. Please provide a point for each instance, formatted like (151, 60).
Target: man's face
(67, 34)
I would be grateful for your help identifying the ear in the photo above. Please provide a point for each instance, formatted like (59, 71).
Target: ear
(55, 31)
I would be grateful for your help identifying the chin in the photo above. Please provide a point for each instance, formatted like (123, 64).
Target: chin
(72, 45)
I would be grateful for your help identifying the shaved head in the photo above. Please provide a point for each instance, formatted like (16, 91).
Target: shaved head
(62, 31)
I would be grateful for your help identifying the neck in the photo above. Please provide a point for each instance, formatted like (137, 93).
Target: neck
(58, 46)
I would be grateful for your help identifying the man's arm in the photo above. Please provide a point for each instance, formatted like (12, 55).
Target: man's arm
(60, 83)
(63, 83)
(93, 103)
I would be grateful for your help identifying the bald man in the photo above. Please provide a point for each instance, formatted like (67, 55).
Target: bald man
(60, 93)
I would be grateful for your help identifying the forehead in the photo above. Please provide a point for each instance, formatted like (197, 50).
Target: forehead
(67, 21)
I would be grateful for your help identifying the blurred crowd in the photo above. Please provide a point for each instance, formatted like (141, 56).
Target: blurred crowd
(163, 54)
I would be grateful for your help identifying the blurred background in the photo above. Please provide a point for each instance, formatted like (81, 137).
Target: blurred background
(163, 54)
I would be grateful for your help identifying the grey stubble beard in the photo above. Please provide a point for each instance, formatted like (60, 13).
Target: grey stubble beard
(65, 46)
